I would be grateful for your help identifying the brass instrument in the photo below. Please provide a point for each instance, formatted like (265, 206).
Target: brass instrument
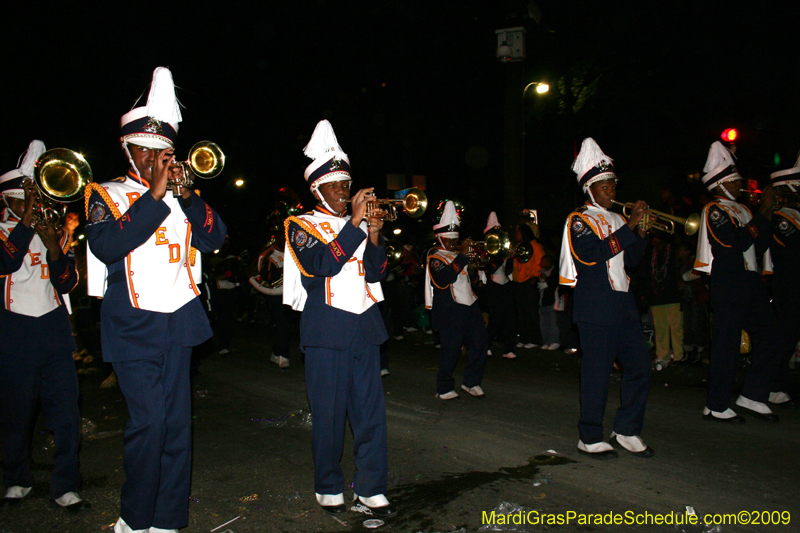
(496, 245)
(414, 204)
(394, 254)
(206, 160)
(744, 343)
(786, 198)
(665, 222)
(60, 175)
(752, 196)
(522, 252)
(270, 288)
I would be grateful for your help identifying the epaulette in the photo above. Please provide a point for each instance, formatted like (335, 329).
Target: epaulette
(581, 209)
(87, 193)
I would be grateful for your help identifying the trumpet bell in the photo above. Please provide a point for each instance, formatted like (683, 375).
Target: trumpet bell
(523, 252)
(497, 243)
(415, 203)
(692, 224)
(394, 254)
(206, 159)
(61, 175)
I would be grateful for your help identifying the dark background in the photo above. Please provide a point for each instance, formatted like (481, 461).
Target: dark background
(412, 88)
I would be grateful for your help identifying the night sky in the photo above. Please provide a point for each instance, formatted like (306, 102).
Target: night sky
(411, 88)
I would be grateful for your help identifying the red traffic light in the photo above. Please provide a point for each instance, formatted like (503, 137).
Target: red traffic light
(730, 135)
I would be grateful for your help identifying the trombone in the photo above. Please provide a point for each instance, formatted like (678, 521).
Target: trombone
(665, 222)
(206, 160)
(60, 175)
(414, 203)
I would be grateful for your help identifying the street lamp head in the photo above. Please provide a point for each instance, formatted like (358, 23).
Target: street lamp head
(504, 53)
(542, 88)
(239, 182)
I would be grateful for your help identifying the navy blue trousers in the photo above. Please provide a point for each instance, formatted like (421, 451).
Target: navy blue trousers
(281, 324)
(158, 439)
(602, 345)
(32, 372)
(758, 318)
(462, 325)
(341, 385)
(502, 315)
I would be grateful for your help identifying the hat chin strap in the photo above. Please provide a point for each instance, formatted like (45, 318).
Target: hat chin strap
(593, 201)
(726, 192)
(130, 160)
(321, 199)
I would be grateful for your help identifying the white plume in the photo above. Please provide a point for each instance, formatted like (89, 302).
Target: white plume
(449, 216)
(718, 156)
(35, 150)
(323, 140)
(491, 222)
(589, 156)
(162, 104)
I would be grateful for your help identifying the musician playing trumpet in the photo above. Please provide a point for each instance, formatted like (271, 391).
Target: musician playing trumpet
(731, 237)
(785, 256)
(597, 246)
(143, 258)
(332, 274)
(454, 308)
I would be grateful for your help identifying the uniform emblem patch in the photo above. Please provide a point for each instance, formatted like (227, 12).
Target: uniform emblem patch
(436, 263)
(783, 225)
(300, 238)
(577, 225)
(715, 216)
(98, 212)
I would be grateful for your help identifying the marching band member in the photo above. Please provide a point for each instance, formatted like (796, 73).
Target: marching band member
(454, 309)
(37, 267)
(142, 259)
(730, 236)
(337, 262)
(597, 246)
(500, 294)
(269, 282)
(785, 255)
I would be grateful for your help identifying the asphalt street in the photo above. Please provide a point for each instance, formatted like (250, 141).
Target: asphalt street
(449, 461)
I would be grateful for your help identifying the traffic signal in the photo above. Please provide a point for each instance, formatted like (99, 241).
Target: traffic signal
(730, 135)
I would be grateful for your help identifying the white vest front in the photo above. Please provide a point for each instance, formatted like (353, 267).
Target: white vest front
(604, 223)
(741, 215)
(28, 291)
(161, 274)
(461, 290)
(348, 290)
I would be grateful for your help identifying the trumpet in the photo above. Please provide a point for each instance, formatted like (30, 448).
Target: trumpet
(752, 196)
(496, 245)
(665, 222)
(414, 203)
(206, 160)
(60, 175)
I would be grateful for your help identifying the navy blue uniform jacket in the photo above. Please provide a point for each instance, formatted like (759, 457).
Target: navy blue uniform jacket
(730, 280)
(322, 325)
(785, 250)
(137, 333)
(595, 301)
(443, 274)
(53, 328)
